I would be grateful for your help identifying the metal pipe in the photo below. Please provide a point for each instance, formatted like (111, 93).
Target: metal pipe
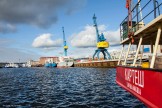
(129, 16)
(121, 34)
(137, 18)
(140, 10)
(151, 46)
(156, 46)
(154, 8)
(136, 5)
(158, 6)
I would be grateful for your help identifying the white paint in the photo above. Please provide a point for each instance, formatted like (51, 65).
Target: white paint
(135, 77)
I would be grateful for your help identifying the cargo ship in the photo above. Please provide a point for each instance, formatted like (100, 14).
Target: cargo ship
(50, 63)
(65, 62)
(142, 79)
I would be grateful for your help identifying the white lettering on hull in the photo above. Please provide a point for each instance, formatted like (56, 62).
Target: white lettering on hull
(134, 88)
(135, 79)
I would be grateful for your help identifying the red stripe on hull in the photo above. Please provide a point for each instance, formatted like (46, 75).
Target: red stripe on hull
(145, 84)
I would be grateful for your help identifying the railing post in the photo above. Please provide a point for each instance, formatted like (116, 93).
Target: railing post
(157, 3)
(137, 25)
(154, 8)
(120, 55)
(151, 46)
(141, 54)
(139, 45)
(127, 53)
(156, 46)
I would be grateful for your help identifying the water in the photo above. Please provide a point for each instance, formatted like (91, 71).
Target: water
(63, 88)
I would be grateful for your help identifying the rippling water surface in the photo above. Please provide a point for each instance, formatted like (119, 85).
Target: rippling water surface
(70, 87)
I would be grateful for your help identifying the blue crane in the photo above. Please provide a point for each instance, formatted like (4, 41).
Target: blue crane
(64, 43)
(102, 44)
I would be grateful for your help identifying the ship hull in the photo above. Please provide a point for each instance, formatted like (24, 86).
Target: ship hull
(145, 84)
(65, 64)
(50, 65)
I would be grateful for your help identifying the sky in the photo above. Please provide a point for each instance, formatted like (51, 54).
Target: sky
(30, 29)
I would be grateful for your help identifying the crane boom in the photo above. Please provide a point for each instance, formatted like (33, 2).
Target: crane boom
(102, 44)
(96, 27)
(64, 42)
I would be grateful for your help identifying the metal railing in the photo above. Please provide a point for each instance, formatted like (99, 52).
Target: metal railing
(149, 11)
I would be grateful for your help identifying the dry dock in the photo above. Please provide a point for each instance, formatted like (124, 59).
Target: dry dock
(98, 64)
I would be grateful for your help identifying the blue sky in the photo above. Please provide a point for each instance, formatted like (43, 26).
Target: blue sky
(25, 33)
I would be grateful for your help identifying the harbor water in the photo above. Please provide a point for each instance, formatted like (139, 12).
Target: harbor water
(63, 88)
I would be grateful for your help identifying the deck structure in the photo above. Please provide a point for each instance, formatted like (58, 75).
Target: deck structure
(143, 81)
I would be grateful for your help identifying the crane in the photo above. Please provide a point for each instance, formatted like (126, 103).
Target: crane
(64, 42)
(102, 44)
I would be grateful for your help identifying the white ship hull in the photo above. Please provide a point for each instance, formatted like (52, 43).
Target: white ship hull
(65, 64)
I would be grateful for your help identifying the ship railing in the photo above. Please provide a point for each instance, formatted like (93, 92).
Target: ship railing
(154, 27)
(143, 11)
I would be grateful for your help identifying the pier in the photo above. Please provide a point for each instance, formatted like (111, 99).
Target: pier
(97, 64)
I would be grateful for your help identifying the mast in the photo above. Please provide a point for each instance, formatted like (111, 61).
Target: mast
(64, 42)
(128, 6)
(96, 27)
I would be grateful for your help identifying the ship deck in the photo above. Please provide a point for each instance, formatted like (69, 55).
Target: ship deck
(148, 32)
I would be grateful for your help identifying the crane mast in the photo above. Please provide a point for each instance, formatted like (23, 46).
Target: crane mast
(64, 43)
(96, 27)
(102, 44)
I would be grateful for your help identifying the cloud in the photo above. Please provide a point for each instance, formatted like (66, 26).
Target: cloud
(45, 41)
(87, 37)
(81, 52)
(6, 42)
(16, 55)
(113, 37)
(40, 13)
(7, 28)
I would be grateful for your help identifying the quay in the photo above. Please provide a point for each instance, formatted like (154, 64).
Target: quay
(97, 64)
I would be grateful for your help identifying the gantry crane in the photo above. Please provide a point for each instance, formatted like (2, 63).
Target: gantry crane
(102, 44)
(64, 42)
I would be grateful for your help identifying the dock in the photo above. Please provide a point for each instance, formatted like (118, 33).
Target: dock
(97, 64)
